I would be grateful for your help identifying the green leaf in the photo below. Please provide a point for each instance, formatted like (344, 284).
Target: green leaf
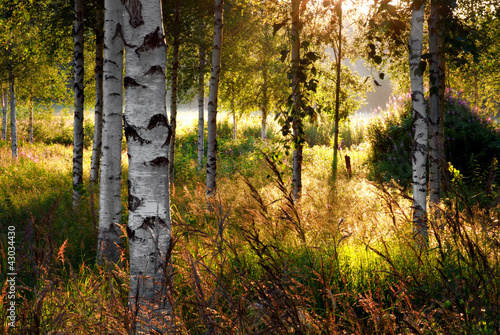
(312, 56)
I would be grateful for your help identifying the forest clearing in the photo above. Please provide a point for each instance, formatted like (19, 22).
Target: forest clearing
(271, 207)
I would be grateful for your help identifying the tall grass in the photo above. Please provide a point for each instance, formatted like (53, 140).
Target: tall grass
(340, 260)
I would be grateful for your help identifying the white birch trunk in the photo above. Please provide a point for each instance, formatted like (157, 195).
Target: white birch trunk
(265, 105)
(110, 206)
(31, 122)
(173, 98)
(13, 128)
(337, 97)
(297, 122)
(419, 152)
(97, 142)
(146, 130)
(3, 96)
(233, 112)
(212, 100)
(434, 160)
(78, 114)
(201, 100)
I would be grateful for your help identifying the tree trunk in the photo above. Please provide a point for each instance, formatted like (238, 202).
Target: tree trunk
(110, 206)
(201, 100)
(173, 100)
(13, 128)
(212, 101)
(337, 97)
(3, 96)
(31, 121)
(78, 114)
(233, 111)
(265, 104)
(419, 152)
(97, 142)
(146, 130)
(434, 160)
(297, 121)
(443, 168)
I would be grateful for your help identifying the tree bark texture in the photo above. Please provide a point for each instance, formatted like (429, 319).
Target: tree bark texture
(201, 99)
(99, 51)
(419, 152)
(78, 113)
(13, 128)
(146, 130)
(297, 121)
(233, 110)
(173, 98)
(434, 138)
(337, 96)
(212, 100)
(110, 206)
(443, 168)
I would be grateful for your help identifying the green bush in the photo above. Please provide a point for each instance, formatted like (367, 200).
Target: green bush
(471, 141)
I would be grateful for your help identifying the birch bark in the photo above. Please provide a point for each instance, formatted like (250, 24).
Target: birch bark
(420, 124)
(212, 100)
(297, 121)
(78, 114)
(434, 160)
(173, 100)
(201, 99)
(110, 206)
(97, 142)
(146, 130)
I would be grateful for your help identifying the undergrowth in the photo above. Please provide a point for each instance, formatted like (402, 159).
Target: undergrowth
(341, 260)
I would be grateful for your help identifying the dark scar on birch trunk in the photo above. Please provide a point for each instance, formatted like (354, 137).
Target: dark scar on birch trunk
(157, 120)
(133, 202)
(131, 82)
(134, 8)
(151, 41)
(155, 69)
(150, 222)
(159, 162)
(131, 134)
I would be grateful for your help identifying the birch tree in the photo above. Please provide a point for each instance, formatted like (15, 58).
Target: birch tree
(297, 121)
(212, 100)
(201, 95)
(79, 97)
(419, 151)
(434, 84)
(98, 75)
(173, 98)
(110, 206)
(146, 131)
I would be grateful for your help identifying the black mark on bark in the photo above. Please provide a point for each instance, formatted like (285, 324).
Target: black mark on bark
(151, 41)
(155, 69)
(157, 120)
(131, 82)
(159, 162)
(134, 8)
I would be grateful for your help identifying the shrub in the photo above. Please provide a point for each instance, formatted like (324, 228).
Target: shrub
(471, 141)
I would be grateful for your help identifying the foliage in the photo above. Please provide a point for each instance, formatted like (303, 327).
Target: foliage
(471, 141)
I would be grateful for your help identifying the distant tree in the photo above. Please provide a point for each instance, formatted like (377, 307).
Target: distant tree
(146, 130)
(79, 99)
(213, 100)
(110, 205)
(98, 75)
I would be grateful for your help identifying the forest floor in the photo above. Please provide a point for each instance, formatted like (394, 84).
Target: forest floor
(341, 260)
